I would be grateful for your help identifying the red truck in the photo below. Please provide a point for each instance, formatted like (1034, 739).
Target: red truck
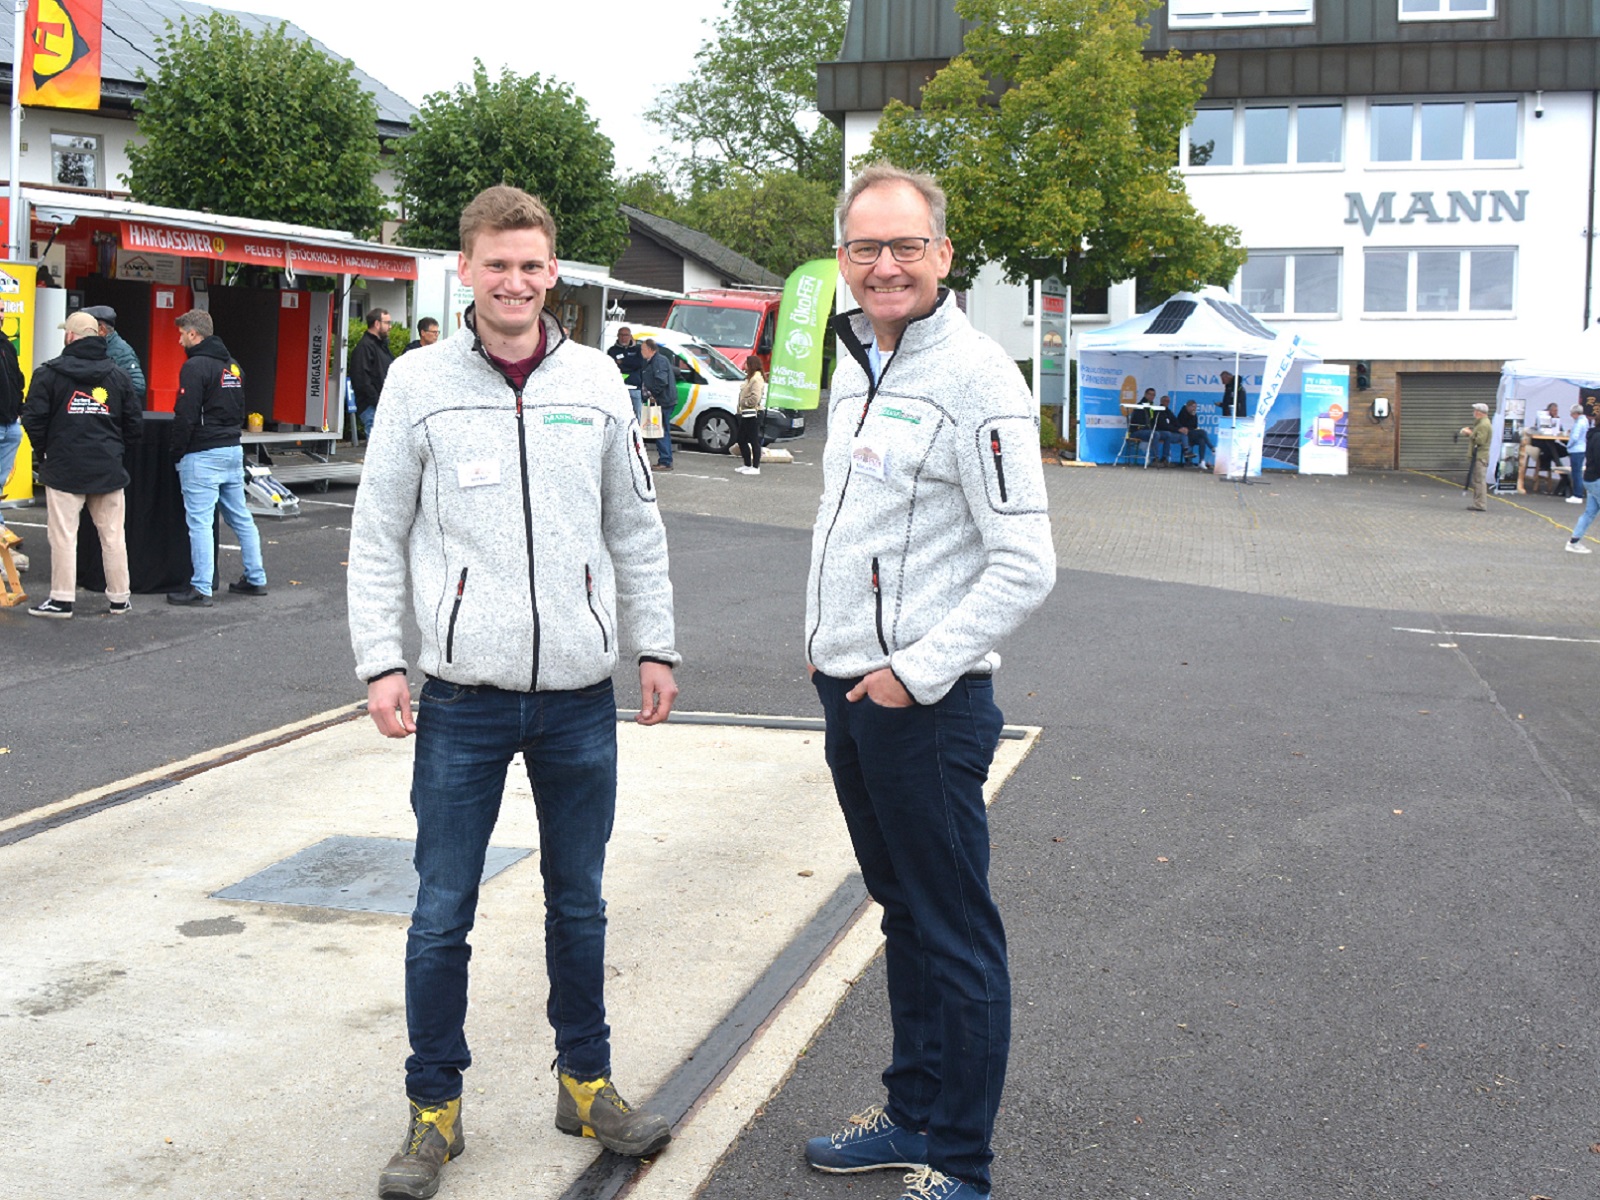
(740, 322)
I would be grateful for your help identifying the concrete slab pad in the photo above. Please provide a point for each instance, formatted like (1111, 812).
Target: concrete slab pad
(165, 1042)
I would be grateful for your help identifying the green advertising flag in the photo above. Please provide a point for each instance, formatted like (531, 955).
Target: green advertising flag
(796, 380)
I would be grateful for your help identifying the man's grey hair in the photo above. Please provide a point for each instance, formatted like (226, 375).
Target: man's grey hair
(1483, 408)
(197, 320)
(882, 173)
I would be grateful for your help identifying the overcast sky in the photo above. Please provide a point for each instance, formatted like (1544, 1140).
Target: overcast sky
(617, 54)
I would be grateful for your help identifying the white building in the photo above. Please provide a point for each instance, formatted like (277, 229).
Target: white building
(1414, 179)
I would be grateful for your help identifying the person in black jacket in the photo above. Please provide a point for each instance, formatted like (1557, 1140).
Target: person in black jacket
(427, 335)
(1233, 399)
(369, 367)
(205, 440)
(82, 413)
(11, 397)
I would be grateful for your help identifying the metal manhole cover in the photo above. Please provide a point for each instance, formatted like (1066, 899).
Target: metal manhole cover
(357, 873)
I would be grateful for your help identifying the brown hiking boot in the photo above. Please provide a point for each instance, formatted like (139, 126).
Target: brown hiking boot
(594, 1109)
(434, 1138)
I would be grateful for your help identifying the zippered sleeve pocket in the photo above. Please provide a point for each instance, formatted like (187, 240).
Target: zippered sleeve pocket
(1007, 452)
(455, 611)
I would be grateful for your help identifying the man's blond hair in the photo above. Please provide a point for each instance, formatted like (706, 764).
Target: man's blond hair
(881, 174)
(503, 207)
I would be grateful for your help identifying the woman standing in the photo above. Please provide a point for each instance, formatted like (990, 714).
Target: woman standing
(1576, 451)
(752, 407)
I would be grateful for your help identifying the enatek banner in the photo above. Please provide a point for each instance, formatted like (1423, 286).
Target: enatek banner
(61, 54)
(796, 380)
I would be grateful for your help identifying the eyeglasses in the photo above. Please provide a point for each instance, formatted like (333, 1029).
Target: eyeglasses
(866, 251)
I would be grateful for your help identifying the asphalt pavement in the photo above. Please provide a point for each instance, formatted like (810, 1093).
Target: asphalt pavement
(1298, 877)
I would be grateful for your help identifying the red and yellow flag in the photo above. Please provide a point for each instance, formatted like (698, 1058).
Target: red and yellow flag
(61, 54)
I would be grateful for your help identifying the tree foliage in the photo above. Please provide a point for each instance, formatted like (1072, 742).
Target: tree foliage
(779, 219)
(1057, 143)
(751, 109)
(256, 125)
(520, 130)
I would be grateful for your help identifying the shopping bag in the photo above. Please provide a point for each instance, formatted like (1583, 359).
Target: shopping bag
(650, 422)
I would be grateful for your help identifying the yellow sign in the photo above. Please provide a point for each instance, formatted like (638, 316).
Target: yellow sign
(17, 284)
(61, 54)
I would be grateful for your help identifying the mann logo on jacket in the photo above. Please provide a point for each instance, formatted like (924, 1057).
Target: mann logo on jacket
(92, 403)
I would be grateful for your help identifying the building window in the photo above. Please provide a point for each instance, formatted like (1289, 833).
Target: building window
(1445, 131)
(1291, 283)
(1212, 14)
(1270, 135)
(1446, 10)
(75, 159)
(1431, 282)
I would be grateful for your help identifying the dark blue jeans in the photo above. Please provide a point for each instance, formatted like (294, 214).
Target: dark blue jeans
(910, 782)
(466, 738)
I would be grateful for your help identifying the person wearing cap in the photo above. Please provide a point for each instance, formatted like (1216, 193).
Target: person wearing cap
(1478, 478)
(659, 384)
(81, 416)
(207, 420)
(117, 348)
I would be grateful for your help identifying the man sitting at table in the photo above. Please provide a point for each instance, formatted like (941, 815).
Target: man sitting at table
(1169, 443)
(1552, 448)
(1140, 419)
(1205, 450)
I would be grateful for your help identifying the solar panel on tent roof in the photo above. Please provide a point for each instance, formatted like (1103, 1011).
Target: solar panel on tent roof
(1172, 316)
(1241, 320)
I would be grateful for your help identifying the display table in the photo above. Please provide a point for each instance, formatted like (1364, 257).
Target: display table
(155, 531)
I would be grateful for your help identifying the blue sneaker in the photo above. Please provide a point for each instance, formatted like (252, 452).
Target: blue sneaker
(928, 1184)
(870, 1142)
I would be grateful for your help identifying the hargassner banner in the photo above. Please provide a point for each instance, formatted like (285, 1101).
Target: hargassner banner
(1249, 438)
(796, 380)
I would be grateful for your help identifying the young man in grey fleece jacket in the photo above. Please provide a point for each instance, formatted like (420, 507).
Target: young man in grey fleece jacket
(932, 543)
(509, 483)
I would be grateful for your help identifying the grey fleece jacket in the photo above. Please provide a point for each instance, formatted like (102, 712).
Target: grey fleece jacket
(528, 523)
(932, 539)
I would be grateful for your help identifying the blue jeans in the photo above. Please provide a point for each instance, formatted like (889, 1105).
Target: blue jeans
(10, 442)
(210, 478)
(1168, 445)
(367, 416)
(1591, 506)
(910, 782)
(1204, 446)
(1575, 456)
(466, 737)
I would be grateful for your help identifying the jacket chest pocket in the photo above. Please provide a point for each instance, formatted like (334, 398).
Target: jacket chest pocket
(895, 448)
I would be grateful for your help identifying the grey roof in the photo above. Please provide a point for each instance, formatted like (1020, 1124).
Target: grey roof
(129, 43)
(691, 243)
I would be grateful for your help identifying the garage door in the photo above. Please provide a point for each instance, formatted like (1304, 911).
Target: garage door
(1433, 408)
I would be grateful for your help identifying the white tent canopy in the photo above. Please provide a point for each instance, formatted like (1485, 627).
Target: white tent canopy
(1557, 372)
(1179, 348)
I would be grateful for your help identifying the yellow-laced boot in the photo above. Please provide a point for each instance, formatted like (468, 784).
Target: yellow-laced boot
(593, 1109)
(433, 1139)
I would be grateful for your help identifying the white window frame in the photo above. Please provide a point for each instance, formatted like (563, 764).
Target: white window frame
(1465, 312)
(1240, 108)
(1445, 13)
(98, 154)
(1290, 255)
(1223, 14)
(1468, 134)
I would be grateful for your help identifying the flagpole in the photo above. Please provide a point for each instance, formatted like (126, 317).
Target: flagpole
(14, 226)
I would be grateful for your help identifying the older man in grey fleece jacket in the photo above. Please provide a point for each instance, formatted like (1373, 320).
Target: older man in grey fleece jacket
(508, 484)
(932, 543)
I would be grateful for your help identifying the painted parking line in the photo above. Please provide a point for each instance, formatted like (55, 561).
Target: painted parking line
(1520, 637)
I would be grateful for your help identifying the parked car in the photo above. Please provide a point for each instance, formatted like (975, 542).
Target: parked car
(740, 322)
(708, 395)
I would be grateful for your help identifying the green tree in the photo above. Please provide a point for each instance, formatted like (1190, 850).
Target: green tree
(651, 191)
(519, 130)
(752, 104)
(1057, 143)
(779, 219)
(256, 125)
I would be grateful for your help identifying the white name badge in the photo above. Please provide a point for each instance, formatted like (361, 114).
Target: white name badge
(481, 473)
(870, 457)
